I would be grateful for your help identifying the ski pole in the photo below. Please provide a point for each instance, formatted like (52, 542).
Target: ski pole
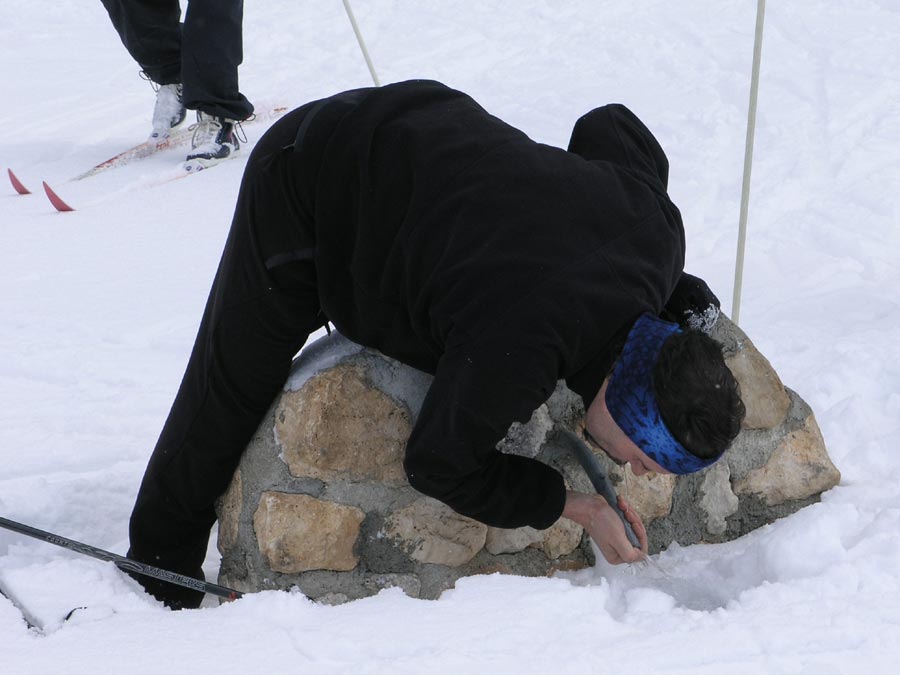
(123, 563)
(598, 479)
(362, 43)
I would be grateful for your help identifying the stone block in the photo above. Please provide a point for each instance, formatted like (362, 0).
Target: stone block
(717, 499)
(650, 495)
(499, 540)
(431, 532)
(764, 395)
(297, 533)
(340, 426)
(558, 540)
(798, 468)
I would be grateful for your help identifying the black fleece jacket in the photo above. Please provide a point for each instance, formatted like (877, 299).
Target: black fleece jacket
(449, 240)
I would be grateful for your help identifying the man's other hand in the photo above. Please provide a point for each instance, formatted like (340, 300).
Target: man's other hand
(692, 305)
(605, 528)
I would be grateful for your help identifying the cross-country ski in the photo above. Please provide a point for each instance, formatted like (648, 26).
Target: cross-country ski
(56, 200)
(17, 184)
(179, 138)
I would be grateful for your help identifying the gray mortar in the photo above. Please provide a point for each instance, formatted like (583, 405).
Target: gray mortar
(754, 513)
(380, 553)
(685, 522)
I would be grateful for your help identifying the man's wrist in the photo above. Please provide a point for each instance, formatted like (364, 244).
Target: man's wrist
(577, 507)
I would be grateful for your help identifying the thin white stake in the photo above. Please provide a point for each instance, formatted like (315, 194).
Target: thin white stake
(362, 43)
(748, 162)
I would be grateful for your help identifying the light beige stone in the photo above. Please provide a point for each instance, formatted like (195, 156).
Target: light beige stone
(339, 426)
(229, 513)
(764, 396)
(297, 533)
(717, 499)
(798, 468)
(501, 540)
(650, 495)
(560, 539)
(431, 532)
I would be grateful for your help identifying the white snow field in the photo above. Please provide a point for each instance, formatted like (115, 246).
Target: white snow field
(98, 310)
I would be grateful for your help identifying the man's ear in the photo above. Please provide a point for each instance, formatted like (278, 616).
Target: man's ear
(596, 415)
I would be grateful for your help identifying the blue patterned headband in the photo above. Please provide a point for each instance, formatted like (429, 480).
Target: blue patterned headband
(632, 403)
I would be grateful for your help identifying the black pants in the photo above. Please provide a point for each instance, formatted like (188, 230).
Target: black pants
(263, 306)
(203, 55)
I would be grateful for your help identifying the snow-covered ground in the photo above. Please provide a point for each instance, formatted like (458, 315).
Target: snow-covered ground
(98, 310)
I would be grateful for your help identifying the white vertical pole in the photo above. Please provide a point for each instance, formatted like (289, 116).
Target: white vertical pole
(748, 161)
(362, 43)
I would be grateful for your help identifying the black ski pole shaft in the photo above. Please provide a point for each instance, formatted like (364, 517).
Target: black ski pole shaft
(598, 479)
(123, 563)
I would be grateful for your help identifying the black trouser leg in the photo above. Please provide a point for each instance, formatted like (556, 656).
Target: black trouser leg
(203, 55)
(212, 50)
(262, 307)
(151, 32)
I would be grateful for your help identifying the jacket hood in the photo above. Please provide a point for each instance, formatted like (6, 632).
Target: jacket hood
(614, 134)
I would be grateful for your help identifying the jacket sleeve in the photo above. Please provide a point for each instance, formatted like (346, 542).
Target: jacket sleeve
(479, 389)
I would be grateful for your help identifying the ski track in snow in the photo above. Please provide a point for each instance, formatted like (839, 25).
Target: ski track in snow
(99, 309)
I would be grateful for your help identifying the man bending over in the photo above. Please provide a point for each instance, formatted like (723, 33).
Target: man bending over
(422, 226)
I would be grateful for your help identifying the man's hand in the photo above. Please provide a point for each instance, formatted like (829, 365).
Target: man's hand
(692, 305)
(604, 527)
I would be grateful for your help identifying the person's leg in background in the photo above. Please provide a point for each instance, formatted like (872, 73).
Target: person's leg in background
(212, 50)
(151, 32)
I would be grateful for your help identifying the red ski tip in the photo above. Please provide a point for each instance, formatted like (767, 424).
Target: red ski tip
(17, 184)
(58, 203)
